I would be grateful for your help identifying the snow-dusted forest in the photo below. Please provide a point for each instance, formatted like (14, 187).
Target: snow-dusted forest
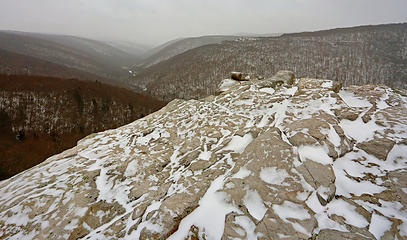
(361, 55)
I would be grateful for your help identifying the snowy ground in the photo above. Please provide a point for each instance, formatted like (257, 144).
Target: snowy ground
(251, 162)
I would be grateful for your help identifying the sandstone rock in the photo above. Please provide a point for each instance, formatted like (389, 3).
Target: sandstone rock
(287, 77)
(317, 174)
(378, 147)
(325, 195)
(269, 83)
(347, 114)
(238, 76)
(336, 86)
(302, 139)
(226, 85)
(328, 234)
(368, 115)
(279, 79)
(313, 125)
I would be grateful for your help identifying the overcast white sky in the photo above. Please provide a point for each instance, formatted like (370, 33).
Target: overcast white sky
(157, 21)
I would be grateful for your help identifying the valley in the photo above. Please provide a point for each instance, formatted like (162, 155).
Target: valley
(41, 116)
(41, 54)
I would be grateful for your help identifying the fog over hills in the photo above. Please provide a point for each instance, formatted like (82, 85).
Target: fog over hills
(155, 22)
(81, 54)
(133, 48)
(18, 64)
(178, 46)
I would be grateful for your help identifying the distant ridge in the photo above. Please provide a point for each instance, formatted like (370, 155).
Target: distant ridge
(86, 55)
(178, 46)
(361, 28)
(18, 64)
(359, 55)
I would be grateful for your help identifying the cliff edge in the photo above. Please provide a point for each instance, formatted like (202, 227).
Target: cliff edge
(277, 158)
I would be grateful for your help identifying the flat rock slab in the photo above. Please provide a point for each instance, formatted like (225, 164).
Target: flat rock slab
(297, 160)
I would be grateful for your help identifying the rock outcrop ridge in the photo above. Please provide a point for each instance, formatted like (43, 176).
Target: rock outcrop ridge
(278, 158)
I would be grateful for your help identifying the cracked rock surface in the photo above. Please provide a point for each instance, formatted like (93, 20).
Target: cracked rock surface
(296, 160)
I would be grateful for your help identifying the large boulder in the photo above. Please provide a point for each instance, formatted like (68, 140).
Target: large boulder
(239, 76)
(287, 77)
(226, 85)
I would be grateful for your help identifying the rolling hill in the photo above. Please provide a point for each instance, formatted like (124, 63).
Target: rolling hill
(178, 46)
(86, 55)
(17, 64)
(359, 55)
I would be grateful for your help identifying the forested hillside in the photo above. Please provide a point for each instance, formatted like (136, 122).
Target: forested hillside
(360, 55)
(178, 46)
(41, 116)
(70, 53)
(19, 64)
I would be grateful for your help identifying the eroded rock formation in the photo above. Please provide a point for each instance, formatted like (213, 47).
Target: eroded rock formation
(295, 159)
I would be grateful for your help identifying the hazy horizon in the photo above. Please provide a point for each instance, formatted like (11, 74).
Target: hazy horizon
(153, 22)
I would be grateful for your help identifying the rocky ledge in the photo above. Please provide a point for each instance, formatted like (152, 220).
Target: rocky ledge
(277, 158)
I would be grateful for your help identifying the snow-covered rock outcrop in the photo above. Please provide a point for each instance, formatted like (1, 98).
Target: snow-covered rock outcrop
(262, 160)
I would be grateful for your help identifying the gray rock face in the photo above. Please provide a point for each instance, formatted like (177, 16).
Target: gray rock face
(254, 162)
